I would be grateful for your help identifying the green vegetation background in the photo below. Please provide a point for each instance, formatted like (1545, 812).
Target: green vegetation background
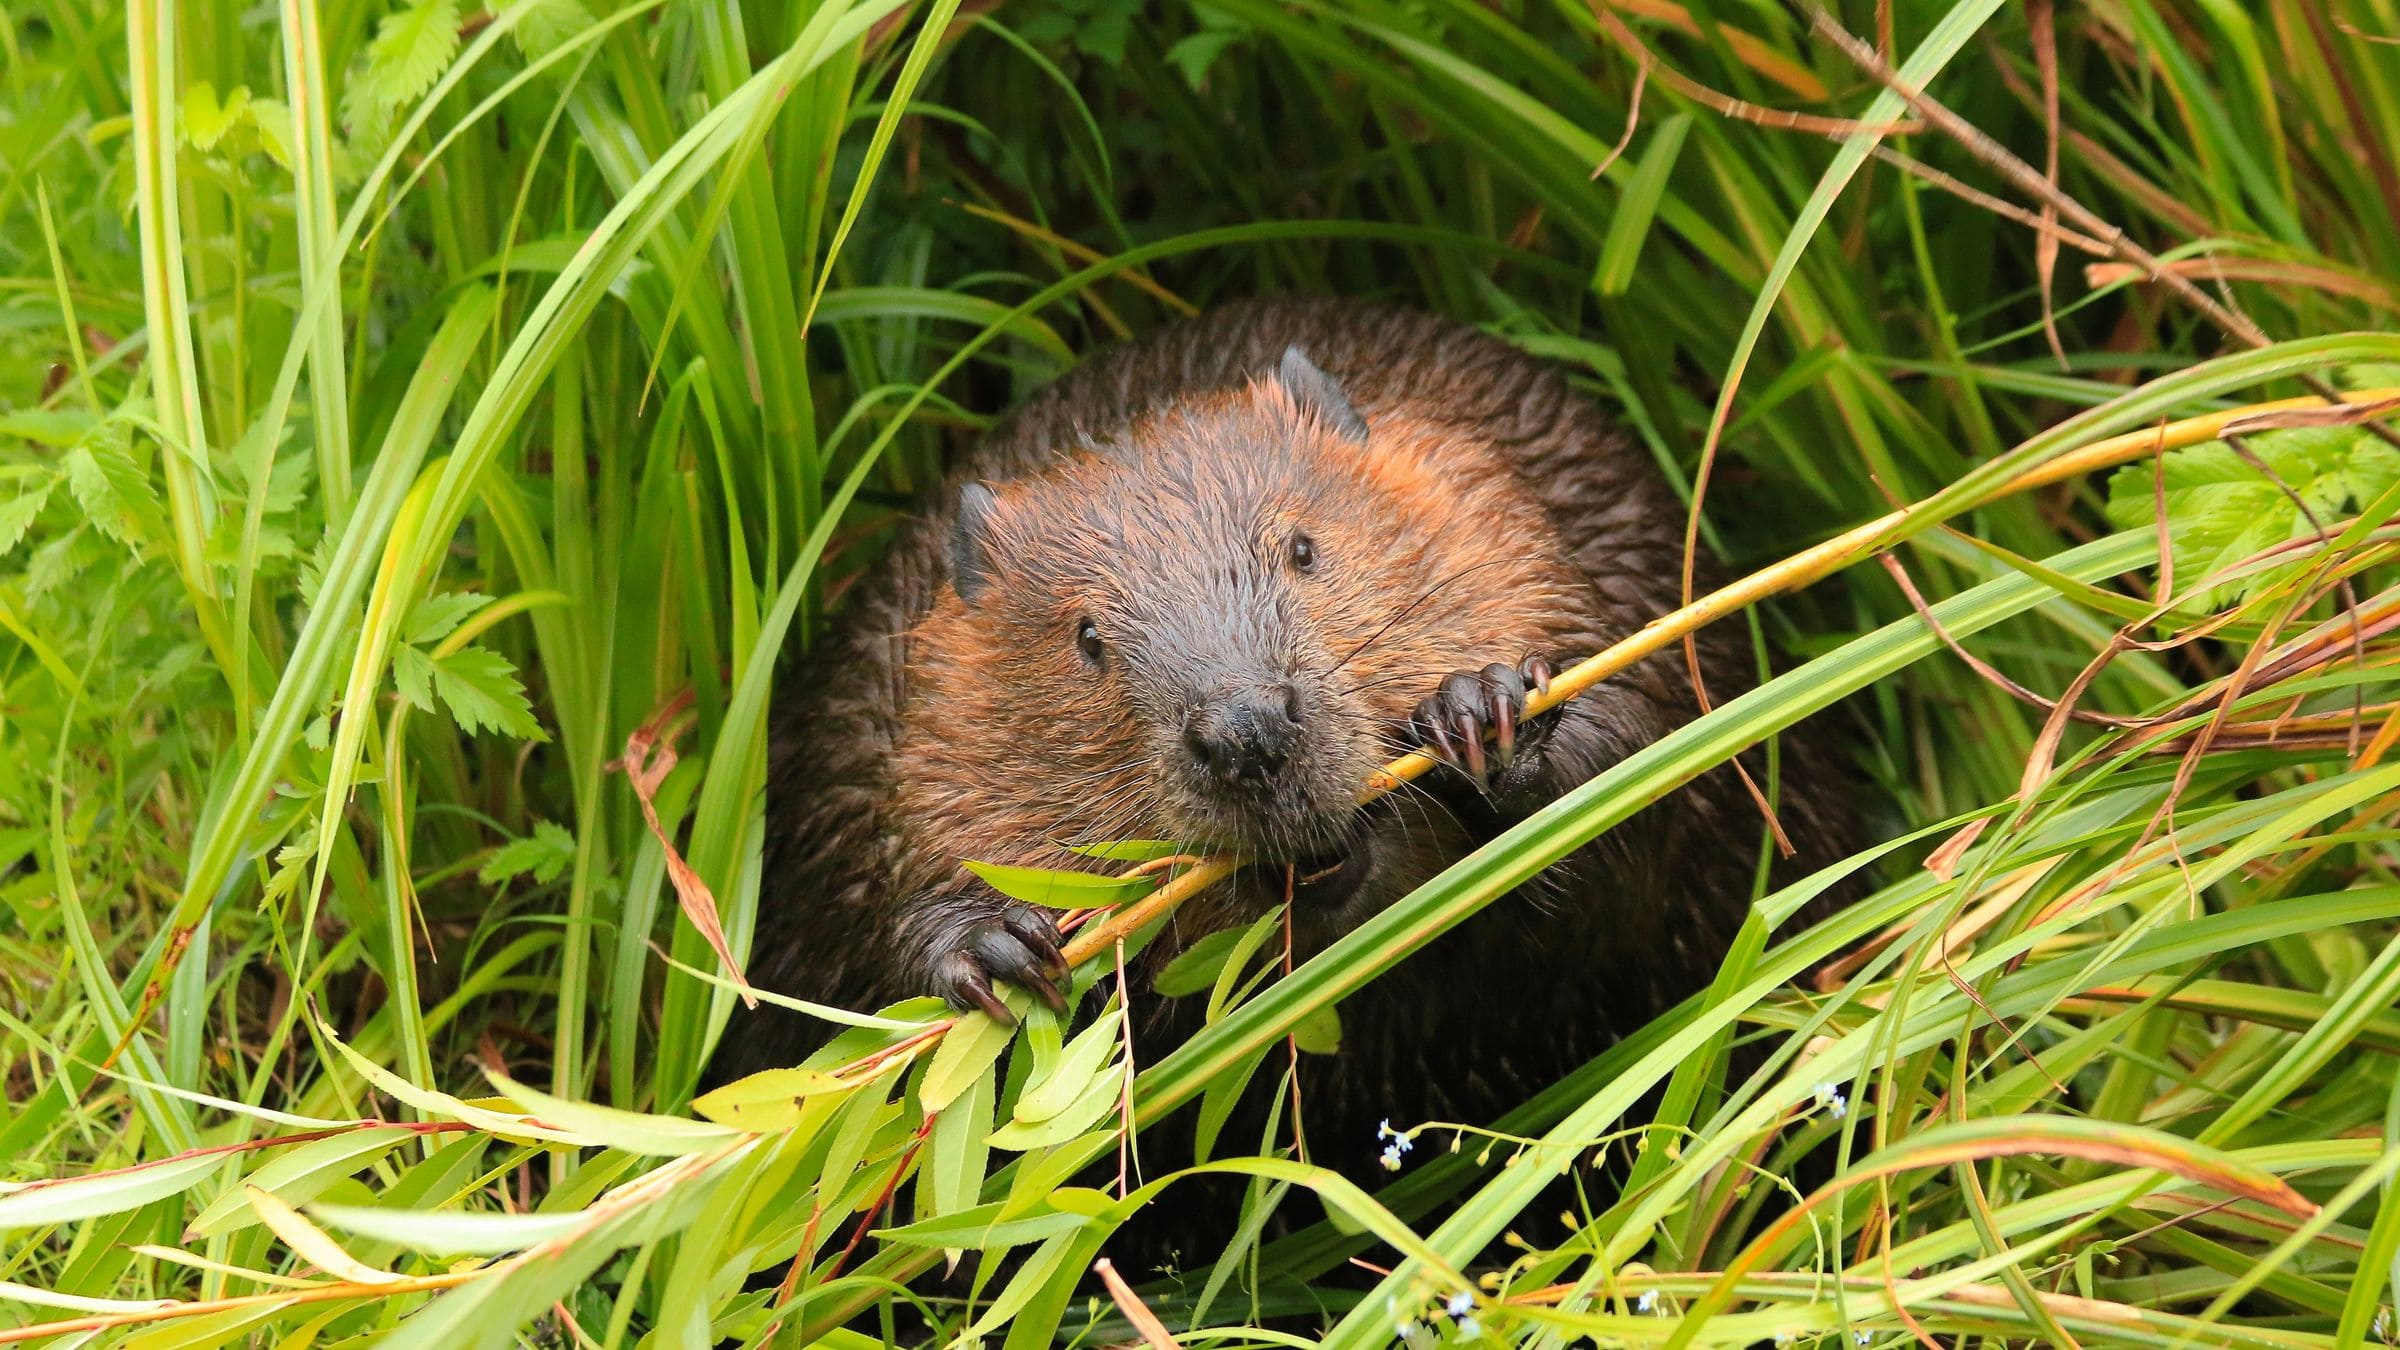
(402, 401)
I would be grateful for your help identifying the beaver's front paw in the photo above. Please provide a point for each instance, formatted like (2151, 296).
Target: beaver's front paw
(1017, 944)
(1452, 724)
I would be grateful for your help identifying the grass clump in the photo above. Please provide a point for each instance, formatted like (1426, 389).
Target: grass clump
(417, 416)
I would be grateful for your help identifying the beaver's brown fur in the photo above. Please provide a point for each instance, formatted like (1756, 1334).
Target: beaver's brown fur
(1196, 590)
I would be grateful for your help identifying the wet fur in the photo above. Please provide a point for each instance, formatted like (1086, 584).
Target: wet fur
(1490, 514)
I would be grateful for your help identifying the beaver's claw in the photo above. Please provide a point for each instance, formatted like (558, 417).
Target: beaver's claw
(1452, 724)
(1017, 945)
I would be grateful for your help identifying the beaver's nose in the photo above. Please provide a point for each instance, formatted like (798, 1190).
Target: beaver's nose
(1243, 737)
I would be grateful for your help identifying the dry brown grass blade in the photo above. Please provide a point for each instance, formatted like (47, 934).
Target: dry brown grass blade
(2045, 224)
(1726, 105)
(649, 757)
(1154, 1333)
(1746, 47)
(1082, 253)
(2334, 281)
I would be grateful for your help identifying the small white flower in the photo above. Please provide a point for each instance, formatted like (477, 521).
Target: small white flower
(1469, 1329)
(1459, 1304)
(1391, 1158)
(1862, 1335)
(1829, 1096)
(1785, 1338)
(1648, 1302)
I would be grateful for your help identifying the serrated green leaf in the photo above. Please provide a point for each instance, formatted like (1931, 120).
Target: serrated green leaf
(480, 689)
(544, 853)
(437, 616)
(114, 492)
(541, 25)
(412, 672)
(225, 545)
(16, 516)
(272, 118)
(409, 52)
(2222, 510)
(1053, 889)
(312, 571)
(206, 118)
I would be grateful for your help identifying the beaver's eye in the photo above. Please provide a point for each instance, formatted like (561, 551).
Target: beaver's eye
(1304, 553)
(1087, 636)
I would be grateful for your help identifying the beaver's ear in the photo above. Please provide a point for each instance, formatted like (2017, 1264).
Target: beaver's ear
(1319, 396)
(970, 541)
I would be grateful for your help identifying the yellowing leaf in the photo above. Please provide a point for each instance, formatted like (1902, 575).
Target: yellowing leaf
(311, 1242)
(974, 1042)
(769, 1101)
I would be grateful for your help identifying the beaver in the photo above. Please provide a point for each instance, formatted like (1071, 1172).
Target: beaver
(1196, 590)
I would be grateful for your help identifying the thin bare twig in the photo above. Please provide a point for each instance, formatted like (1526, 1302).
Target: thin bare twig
(2046, 224)
(1726, 105)
(2041, 16)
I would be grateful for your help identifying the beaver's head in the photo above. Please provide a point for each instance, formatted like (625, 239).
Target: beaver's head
(1213, 629)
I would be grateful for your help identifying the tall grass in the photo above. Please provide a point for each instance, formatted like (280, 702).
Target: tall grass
(406, 405)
